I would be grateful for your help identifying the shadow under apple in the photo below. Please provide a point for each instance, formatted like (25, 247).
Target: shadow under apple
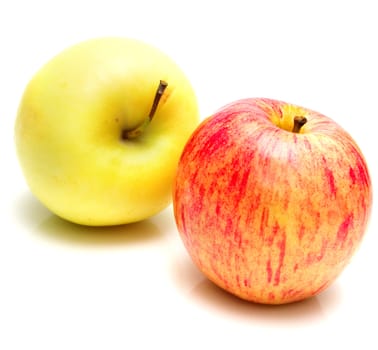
(215, 300)
(135, 233)
(49, 226)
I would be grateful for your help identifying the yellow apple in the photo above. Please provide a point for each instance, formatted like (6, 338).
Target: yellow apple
(100, 129)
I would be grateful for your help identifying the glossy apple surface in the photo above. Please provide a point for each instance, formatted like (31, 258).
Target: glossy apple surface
(269, 209)
(72, 130)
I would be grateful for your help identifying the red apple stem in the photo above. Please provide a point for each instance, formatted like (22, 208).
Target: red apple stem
(299, 121)
(131, 134)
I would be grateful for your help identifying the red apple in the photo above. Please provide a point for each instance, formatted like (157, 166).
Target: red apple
(271, 200)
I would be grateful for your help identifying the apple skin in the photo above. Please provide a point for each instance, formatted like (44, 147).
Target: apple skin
(270, 215)
(68, 131)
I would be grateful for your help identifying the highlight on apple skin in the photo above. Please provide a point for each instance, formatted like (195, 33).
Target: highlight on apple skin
(100, 129)
(271, 200)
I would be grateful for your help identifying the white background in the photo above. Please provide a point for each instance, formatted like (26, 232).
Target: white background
(64, 286)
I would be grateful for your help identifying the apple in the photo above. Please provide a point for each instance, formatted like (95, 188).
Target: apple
(100, 129)
(271, 200)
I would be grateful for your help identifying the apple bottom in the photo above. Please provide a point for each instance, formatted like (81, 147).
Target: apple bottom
(273, 278)
(268, 262)
(259, 252)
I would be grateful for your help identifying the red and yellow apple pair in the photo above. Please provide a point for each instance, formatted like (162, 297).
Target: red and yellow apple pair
(271, 199)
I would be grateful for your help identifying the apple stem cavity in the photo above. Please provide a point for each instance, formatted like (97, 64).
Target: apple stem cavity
(133, 133)
(299, 121)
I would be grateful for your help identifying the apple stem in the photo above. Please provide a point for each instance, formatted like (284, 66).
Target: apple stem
(299, 121)
(131, 134)
(159, 93)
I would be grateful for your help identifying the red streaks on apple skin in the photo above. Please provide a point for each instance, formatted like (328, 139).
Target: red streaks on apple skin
(271, 297)
(329, 178)
(269, 271)
(315, 257)
(321, 288)
(363, 173)
(331, 182)
(264, 221)
(182, 217)
(275, 276)
(291, 294)
(352, 175)
(344, 228)
(282, 247)
(301, 232)
(307, 145)
(269, 238)
(217, 273)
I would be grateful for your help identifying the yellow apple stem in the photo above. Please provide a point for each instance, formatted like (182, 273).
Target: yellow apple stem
(299, 121)
(159, 93)
(131, 134)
